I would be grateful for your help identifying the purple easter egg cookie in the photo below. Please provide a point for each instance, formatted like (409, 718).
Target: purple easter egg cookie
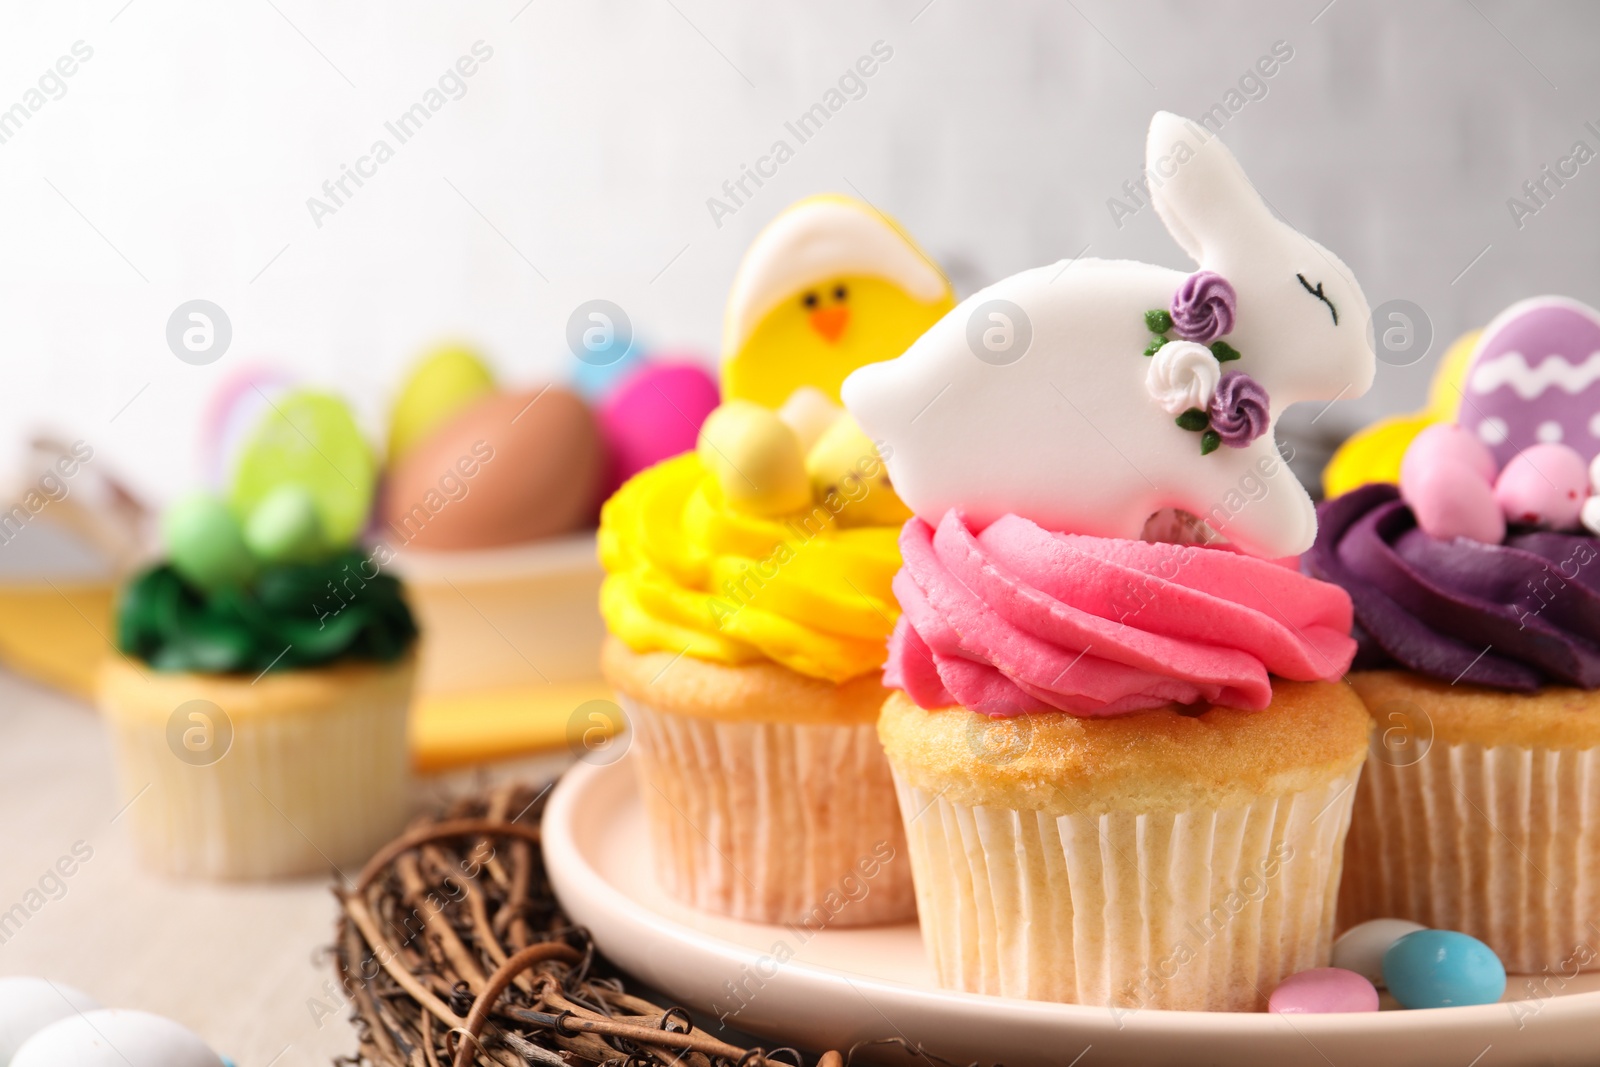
(1535, 379)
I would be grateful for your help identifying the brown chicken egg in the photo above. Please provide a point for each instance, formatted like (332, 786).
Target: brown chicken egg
(513, 467)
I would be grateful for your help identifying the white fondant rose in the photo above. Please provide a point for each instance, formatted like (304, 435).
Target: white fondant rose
(1183, 375)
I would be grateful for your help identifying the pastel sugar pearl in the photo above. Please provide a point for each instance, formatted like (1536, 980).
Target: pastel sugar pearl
(1361, 948)
(1322, 991)
(1543, 485)
(1442, 969)
(1447, 479)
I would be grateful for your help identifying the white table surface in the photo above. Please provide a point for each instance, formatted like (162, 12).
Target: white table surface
(241, 965)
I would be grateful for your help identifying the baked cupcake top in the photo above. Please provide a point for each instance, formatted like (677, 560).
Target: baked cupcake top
(268, 576)
(775, 541)
(1037, 428)
(1480, 566)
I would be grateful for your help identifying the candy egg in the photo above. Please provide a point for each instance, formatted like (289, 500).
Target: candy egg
(234, 409)
(655, 414)
(1446, 478)
(756, 459)
(310, 439)
(205, 544)
(1446, 442)
(28, 1005)
(445, 383)
(515, 467)
(1442, 969)
(115, 1038)
(1361, 948)
(285, 526)
(602, 371)
(1323, 990)
(845, 463)
(809, 413)
(1535, 378)
(1543, 485)
(1590, 515)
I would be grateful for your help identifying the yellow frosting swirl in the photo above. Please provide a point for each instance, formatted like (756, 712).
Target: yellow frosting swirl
(688, 574)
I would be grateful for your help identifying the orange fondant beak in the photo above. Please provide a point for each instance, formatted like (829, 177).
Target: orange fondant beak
(830, 322)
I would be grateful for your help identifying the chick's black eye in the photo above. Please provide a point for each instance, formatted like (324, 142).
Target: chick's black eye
(840, 293)
(1317, 292)
(809, 300)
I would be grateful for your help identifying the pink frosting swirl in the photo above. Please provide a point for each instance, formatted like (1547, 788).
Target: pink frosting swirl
(1014, 618)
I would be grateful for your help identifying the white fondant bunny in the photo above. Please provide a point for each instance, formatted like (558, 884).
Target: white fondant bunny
(1068, 432)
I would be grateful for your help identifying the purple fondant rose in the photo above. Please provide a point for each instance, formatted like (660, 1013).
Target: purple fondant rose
(1202, 308)
(1240, 409)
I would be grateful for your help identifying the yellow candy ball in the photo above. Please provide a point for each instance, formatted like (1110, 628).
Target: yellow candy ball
(755, 458)
(845, 463)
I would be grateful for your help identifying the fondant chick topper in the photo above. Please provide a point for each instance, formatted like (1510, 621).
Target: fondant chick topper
(1032, 398)
(829, 285)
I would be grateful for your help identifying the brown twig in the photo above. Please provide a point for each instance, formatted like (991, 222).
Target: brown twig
(463, 893)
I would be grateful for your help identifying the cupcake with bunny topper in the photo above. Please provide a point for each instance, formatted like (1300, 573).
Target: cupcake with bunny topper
(1116, 726)
(1476, 584)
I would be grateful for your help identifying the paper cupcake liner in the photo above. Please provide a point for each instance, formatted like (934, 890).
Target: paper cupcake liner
(1199, 910)
(773, 822)
(1501, 843)
(296, 793)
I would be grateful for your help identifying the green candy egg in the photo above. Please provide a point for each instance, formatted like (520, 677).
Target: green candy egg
(311, 440)
(286, 526)
(205, 544)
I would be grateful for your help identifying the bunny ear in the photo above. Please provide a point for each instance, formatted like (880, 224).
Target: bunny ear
(1198, 188)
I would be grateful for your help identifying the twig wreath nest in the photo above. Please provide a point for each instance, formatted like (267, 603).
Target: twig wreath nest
(453, 951)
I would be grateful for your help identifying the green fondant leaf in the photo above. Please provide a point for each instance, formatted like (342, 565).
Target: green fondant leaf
(1154, 346)
(1209, 442)
(1224, 352)
(1158, 320)
(1193, 419)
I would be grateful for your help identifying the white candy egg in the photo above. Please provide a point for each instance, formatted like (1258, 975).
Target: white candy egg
(1361, 948)
(28, 1005)
(115, 1038)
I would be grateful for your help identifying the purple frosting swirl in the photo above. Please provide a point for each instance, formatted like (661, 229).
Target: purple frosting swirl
(1514, 616)
(1240, 409)
(1203, 307)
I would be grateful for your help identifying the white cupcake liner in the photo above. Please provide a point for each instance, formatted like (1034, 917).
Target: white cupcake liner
(1501, 843)
(296, 793)
(773, 822)
(1198, 910)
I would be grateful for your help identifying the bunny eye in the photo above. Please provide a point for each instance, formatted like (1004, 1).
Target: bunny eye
(1318, 293)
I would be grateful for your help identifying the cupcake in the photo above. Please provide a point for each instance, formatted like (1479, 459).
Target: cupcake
(1476, 584)
(258, 708)
(748, 593)
(1123, 753)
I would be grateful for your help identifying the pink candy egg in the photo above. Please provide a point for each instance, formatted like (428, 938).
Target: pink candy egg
(1446, 477)
(1321, 991)
(1446, 442)
(654, 415)
(1543, 485)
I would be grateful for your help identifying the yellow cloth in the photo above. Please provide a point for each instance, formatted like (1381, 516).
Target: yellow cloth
(687, 574)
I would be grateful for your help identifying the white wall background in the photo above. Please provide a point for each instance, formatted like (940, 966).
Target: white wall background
(178, 163)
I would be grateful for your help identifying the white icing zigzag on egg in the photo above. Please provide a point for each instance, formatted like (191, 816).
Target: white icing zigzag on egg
(1529, 382)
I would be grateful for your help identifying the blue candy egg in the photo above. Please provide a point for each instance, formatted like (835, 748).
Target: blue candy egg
(1442, 969)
